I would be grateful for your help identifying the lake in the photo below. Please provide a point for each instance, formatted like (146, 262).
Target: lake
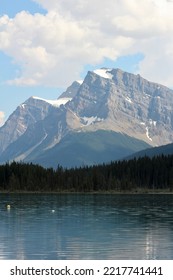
(92, 226)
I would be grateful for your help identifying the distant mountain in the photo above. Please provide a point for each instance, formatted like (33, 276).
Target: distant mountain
(110, 106)
(156, 151)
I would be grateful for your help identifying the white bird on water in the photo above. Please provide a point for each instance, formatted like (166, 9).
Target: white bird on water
(8, 206)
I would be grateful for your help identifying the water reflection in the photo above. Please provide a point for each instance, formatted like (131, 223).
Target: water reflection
(86, 227)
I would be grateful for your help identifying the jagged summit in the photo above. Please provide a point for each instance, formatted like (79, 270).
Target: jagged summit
(72, 90)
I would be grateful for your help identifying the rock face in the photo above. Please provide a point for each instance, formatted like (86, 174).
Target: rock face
(26, 114)
(108, 100)
(126, 103)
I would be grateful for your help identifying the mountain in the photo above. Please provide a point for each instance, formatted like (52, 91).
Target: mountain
(108, 108)
(156, 151)
(43, 133)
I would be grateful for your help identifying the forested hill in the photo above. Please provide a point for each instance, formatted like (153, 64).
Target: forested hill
(136, 174)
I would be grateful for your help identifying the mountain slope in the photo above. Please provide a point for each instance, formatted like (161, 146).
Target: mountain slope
(25, 115)
(41, 135)
(88, 148)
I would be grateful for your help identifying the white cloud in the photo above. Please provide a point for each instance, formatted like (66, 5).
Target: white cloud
(52, 49)
(2, 118)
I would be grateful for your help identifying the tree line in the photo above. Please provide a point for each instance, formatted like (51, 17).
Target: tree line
(126, 175)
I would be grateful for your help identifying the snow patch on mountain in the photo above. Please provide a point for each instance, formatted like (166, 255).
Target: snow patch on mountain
(79, 81)
(151, 122)
(128, 99)
(56, 102)
(23, 105)
(104, 73)
(91, 120)
(147, 133)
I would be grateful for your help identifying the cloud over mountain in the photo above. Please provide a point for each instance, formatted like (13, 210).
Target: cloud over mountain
(72, 34)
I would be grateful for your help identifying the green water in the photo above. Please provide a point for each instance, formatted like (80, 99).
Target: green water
(86, 226)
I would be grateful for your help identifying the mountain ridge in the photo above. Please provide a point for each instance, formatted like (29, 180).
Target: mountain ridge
(153, 152)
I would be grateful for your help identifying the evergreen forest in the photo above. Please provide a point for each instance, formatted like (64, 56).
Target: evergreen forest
(137, 174)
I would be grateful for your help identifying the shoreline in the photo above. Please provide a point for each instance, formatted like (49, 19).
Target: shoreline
(133, 192)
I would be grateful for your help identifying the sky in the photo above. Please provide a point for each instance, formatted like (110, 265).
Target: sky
(47, 44)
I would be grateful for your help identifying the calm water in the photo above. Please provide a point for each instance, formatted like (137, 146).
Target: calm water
(86, 227)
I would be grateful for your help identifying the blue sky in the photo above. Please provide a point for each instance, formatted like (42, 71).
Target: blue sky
(47, 44)
(11, 8)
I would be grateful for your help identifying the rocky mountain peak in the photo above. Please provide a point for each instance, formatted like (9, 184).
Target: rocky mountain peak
(26, 114)
(72, 90)
(126, 103)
